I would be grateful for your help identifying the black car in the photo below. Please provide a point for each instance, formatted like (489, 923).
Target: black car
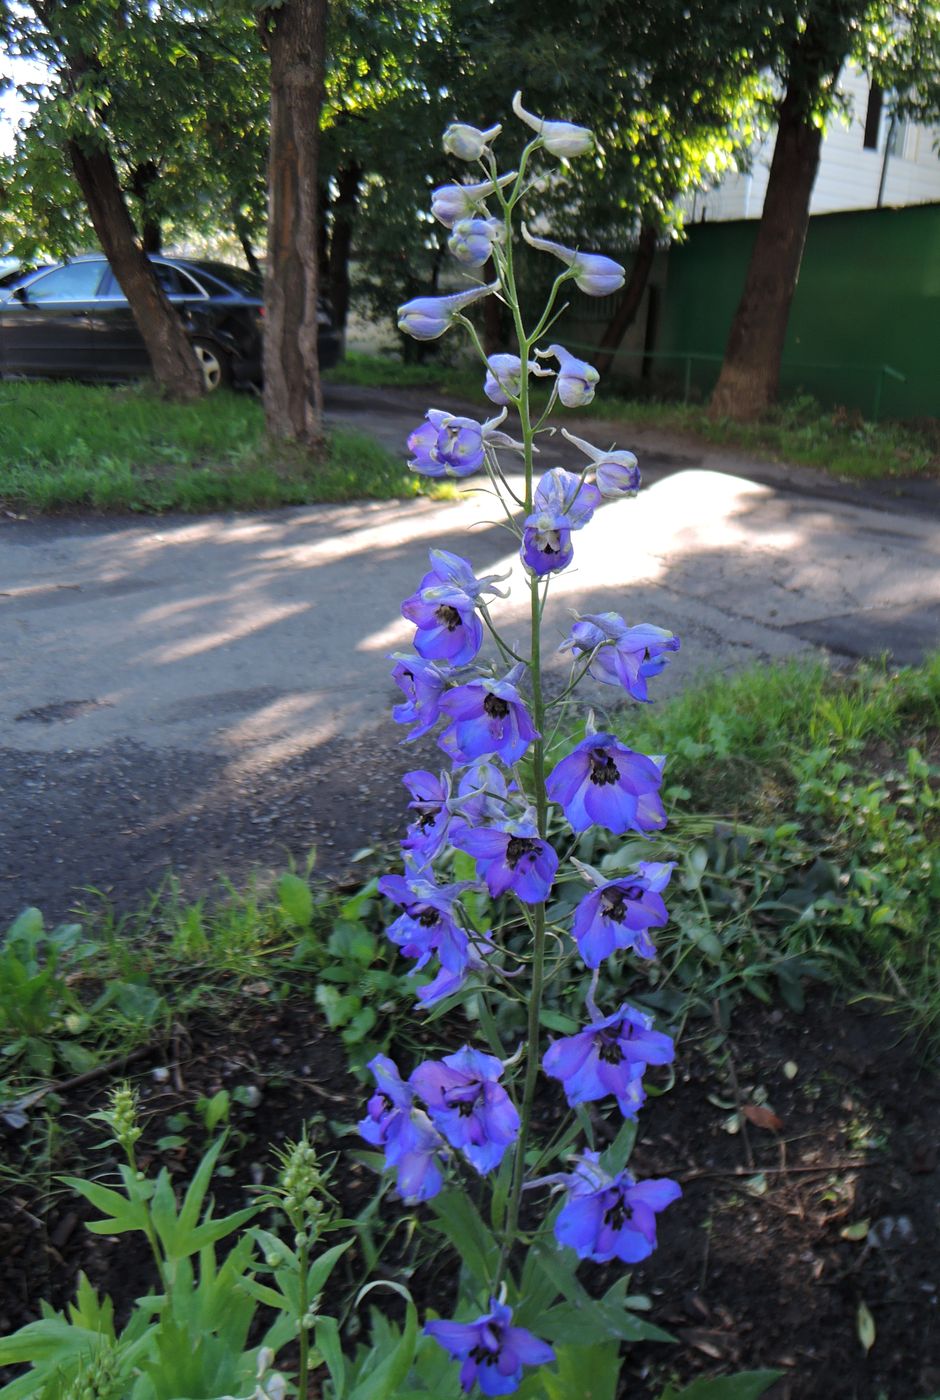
(72, 321)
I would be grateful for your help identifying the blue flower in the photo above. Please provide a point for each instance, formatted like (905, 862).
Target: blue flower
(412, 1146)
(624, 656)
(615, 471)
(511, 856)
(447, 982)
(618, 914)
(487, 717)
(443, 608)
(611, 1217)
(576, 378)
(472, 240)
(594, 274)
(503, 380)
(558, 138)
(427, 927)
(466, 1103)
(422, 684)
(468, 142)
(426, 318)
(430, 801)
(609, 1056)
(481, 794)
(493, 1352)
(603, 783)
(446, 445)
(450, 203)
(562, 503)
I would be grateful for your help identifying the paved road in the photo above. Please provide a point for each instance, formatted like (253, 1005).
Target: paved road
(211, 692)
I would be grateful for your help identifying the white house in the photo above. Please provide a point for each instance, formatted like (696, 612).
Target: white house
(869, 160)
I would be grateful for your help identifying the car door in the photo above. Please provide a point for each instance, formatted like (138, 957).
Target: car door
(45, 326)
(120, 351)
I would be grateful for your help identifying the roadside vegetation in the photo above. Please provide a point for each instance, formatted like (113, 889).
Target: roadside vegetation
(807, 841)
(801, 431)
(67, 447)
(806, 836)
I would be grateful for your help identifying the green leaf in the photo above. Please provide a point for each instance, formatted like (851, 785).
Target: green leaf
(746, 1385)
(462, 1225)
(865, 1325)
(588, 1372)
(555, 1021)
(216, 1109)
(323, 1266)
(329, 1346)
(295, 899)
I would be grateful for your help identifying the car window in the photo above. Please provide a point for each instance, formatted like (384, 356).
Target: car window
(76, 281)
(238, 279)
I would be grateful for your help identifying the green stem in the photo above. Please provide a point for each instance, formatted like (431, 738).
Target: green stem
(303, 1379)
(541, 803)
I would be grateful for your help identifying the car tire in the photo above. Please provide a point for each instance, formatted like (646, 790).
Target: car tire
(215, 365)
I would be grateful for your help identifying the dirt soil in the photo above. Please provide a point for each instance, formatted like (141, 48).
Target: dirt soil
(764, 1263)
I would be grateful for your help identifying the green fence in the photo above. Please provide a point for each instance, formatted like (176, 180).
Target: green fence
(865, 324)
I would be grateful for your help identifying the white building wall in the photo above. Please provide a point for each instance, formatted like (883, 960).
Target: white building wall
(849, 174)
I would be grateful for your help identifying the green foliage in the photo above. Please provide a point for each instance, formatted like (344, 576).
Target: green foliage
(69, 445)
(747, 1385)
(190, 1338)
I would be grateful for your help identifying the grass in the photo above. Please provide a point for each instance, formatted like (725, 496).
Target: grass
(800, 432)
(67, 447)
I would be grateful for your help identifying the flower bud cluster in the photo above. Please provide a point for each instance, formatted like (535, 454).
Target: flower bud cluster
(121, 1116)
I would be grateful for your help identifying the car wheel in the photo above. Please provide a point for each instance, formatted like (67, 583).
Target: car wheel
(214, 363)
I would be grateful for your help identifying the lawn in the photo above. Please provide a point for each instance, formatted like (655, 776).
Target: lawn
(799, 432)
(68, 447)
(798, 972)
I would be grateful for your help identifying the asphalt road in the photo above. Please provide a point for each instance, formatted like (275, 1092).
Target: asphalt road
(211, 694)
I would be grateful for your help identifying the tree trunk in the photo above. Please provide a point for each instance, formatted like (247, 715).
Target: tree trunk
(144, 178)
(292, 395)
(624, 316)
(171, 357)
(248, 250)
(344, 214)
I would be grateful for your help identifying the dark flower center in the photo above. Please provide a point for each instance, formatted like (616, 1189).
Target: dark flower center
(614, 902)
(495, 707)
(609, 1051)
(604, 770)
(518, 847)
(618, 1215)
(448, 617)
(465, 1098)
(428, 818)
(428, 918)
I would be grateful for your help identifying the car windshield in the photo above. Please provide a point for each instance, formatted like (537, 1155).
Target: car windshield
(248, 283)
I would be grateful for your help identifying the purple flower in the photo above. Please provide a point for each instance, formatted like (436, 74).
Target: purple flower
(493, 1352)
(504, 377)
(593, 274)
(563, 502)
(487, 717)
(446, 445)
(601, 782)
(558, 138)
(412, 1146)
(611, 1217)
(427, 926)
(472, 240)
(609, 1057)
(576, 378)
(430, 801)
(450, 203)
(511, 856)
(468, 1105)
(422, 683)
(443, 608)
(627, 656)
(426, 318)
(618, 914)
(481, 793)
(468, 142)
(447, 982)
(615, 472)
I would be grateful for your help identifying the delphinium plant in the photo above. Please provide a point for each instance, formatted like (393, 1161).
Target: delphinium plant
(510, 799)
